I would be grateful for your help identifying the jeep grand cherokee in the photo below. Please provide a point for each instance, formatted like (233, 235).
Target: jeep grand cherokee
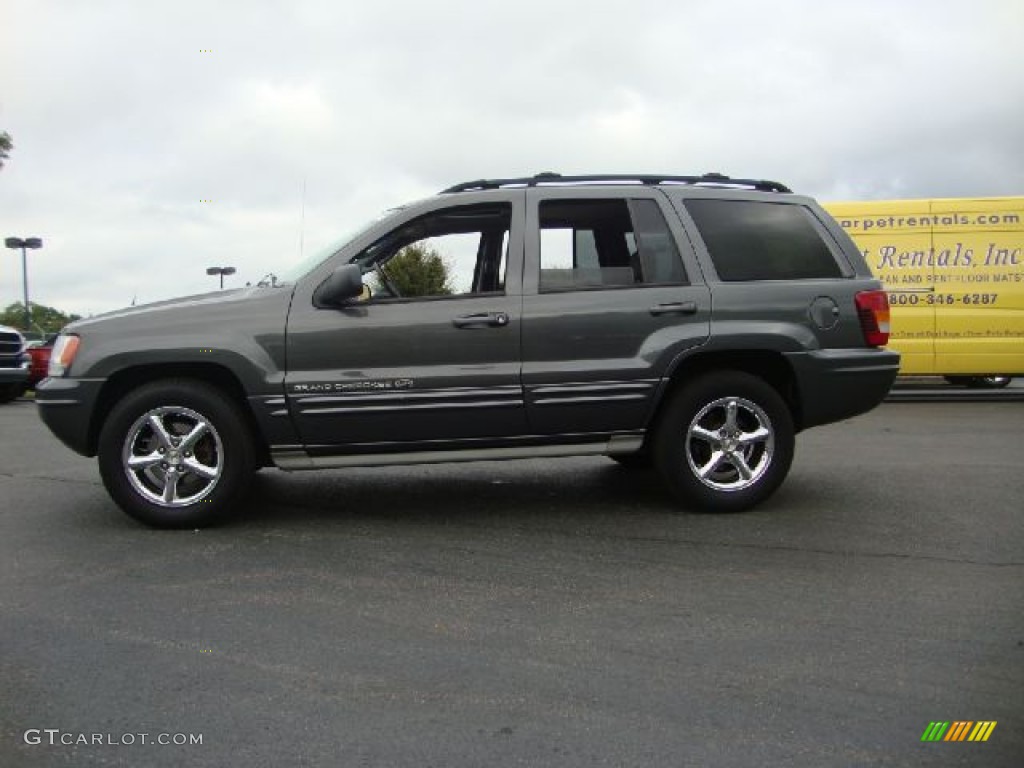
(696, 323)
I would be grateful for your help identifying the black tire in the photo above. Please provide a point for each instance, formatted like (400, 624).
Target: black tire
(989, 382)
(993, 381)
(761, 439)
(212, 473)
(9, 392)
(638, 460)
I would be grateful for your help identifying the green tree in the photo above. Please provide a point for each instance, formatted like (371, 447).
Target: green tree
(418, 270)
(6, 145)
(44, 319)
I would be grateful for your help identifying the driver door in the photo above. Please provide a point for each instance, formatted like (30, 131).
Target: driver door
(432, 356)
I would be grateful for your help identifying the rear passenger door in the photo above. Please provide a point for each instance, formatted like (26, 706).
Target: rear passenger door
(612, 294)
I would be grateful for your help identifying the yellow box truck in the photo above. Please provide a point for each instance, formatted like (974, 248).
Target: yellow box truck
(954, 271)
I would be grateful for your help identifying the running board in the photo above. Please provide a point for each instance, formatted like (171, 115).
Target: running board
(293, 459)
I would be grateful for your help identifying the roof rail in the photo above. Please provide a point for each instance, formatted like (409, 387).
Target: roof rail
(708, 179)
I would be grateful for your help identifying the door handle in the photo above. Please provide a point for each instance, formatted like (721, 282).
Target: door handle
(481, 319)
(675, 308)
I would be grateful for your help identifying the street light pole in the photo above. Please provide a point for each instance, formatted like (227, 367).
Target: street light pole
(220, 271)
(24, 290)
(28, 242)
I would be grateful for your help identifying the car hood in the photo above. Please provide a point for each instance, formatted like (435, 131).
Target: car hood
(200, 303)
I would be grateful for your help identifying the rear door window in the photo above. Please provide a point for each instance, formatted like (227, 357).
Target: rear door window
(606, 243)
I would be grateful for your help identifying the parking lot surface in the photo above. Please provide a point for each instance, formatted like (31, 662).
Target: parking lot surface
(541, 613)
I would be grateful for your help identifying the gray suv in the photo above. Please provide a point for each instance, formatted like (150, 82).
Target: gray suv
(692, 323)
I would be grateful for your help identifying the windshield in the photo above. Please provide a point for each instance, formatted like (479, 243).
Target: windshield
(318, 257)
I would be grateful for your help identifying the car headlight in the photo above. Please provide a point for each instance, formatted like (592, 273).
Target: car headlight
(64, 350)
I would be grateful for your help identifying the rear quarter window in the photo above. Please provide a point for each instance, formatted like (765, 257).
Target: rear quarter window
(750, 240)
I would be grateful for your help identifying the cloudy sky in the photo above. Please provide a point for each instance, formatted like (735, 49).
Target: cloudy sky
(154, 138)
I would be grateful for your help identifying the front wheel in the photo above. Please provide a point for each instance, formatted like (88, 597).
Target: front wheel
(9, 392)
(725, 442)
(176, 454)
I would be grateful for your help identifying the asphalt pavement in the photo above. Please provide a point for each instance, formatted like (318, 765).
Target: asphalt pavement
(527, 613)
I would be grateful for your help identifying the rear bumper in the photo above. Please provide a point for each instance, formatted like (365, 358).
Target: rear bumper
(67, 406)
(835, 384)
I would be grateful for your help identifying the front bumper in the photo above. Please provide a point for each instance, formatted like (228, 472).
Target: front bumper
(835, 384)
(18, 375)
(67, 407)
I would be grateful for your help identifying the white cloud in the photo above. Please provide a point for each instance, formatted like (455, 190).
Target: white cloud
(123, 123)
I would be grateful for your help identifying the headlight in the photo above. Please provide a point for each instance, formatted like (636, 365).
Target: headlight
(64, 350)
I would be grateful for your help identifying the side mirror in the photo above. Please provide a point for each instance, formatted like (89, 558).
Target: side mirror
(345, 283)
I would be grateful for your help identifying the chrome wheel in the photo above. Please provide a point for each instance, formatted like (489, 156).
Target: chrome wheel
(730, 444)
(173, 456)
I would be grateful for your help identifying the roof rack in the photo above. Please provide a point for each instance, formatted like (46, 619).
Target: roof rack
(708, 179)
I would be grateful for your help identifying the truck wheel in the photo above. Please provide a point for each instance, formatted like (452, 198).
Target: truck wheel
(639, 460)
(176, 454)
(988, 382)
(725, 442)
(980, 382)
(10, 392)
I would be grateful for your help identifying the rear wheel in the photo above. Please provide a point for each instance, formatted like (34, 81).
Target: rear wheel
(176, 454)
(725, 442)
(980, 382)
(989, 382)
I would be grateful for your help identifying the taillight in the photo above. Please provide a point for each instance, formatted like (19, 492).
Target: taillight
(873, 311)
(64, 350)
